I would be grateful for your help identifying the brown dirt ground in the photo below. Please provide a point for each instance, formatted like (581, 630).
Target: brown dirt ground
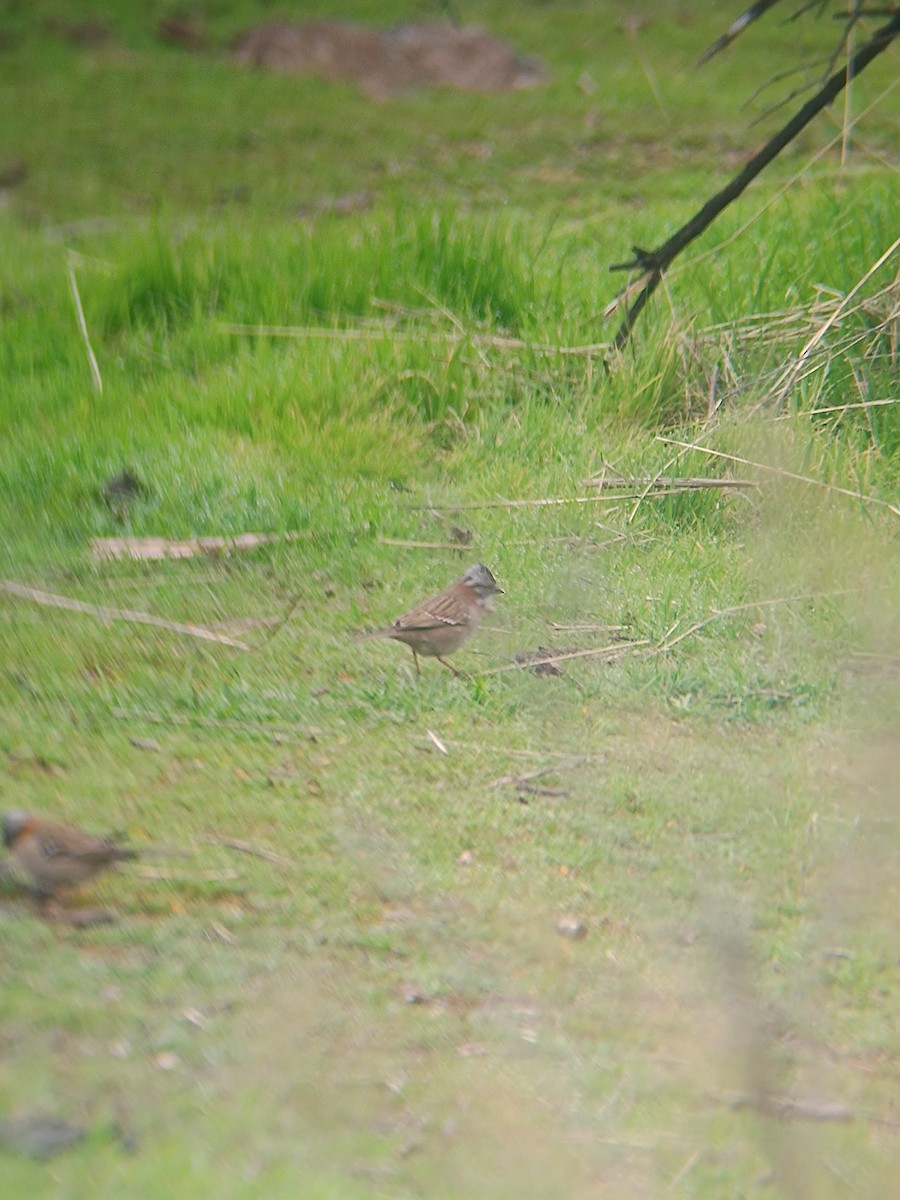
(383, 63)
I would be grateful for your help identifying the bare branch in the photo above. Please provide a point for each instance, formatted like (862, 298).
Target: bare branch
(736, 28)
(654, 263)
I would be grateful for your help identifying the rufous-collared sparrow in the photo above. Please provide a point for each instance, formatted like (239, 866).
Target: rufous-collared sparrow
(441, 625)
(58, 856)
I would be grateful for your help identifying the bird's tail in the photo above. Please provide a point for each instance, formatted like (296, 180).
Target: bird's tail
(363, 635)
(122, 853)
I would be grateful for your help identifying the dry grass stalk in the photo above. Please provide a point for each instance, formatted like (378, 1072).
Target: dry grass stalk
(667, 642)
(222, 933)
(152, 549)
(793, 1108)
(874, 335)
(377, 332)
(840, 408)
(82, 325)
(411, 545)
(495, 753)
(248, 623)
(520, 781)
(588, 628)
(243, 847)
(544, 502)
(52, 600)
(433, 737)
(674, 483)
(685, 1170)
(187, 877)
(784, 474)
(791, 374)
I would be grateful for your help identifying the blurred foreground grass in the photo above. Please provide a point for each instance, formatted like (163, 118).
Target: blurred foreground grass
(383, 1004)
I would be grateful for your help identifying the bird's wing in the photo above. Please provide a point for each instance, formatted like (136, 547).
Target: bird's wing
(433, 614)
(62, 842)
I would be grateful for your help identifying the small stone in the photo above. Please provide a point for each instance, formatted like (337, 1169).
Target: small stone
(466, 858)
(471, 1050)
(167, 1060)
(571, 927)
(141, 743)
(412, 994)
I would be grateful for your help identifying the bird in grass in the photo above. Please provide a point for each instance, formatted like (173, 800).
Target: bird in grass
(57, 856)
(441, 625)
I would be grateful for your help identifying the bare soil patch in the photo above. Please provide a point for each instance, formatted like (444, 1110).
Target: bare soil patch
(385, 62)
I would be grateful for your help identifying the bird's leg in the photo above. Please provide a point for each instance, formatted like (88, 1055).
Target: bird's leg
(46, 905)
(449, 666)
(416, 661)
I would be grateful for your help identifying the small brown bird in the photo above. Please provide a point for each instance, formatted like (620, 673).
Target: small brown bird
(443, 623)
(58, 856)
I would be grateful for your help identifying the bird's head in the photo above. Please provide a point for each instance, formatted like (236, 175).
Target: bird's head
(482, 582)
(13, 824)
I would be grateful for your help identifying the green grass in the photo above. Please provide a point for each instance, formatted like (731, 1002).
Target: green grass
(391, 1010)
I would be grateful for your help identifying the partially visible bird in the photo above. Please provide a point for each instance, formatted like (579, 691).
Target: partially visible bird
(122, 491)
(441, 625)
(58, 856)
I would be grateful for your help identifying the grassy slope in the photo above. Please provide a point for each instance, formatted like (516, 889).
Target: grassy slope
(733, 793)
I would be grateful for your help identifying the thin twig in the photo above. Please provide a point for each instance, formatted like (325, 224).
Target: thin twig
(380, 333)
(748, 462)
(248, 848)
(530, 776)
(52, 600)
(625, 295)
(665, 644)
(82, 325)
(279, 623)
(616, 650)
(794, 1108)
